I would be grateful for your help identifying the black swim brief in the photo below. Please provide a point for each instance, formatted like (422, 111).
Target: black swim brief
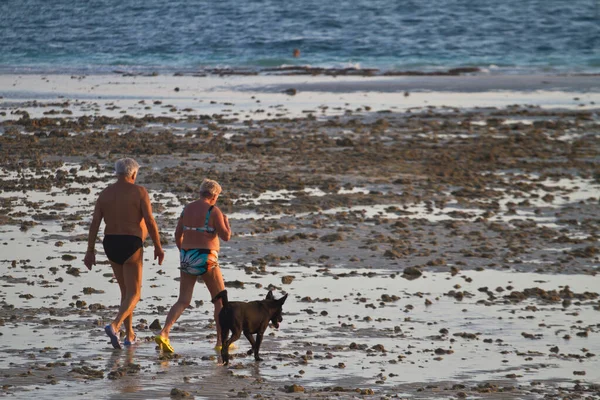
(119, 248)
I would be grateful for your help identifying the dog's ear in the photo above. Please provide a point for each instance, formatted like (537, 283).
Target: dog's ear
(270, 295)
(282, 300)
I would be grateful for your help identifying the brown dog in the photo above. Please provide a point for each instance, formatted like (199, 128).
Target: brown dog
(250, 318)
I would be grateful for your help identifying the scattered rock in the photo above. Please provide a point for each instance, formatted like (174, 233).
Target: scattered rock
(179, 394)
(73, 271)
(411, 273)
(90, 290)
(90, 373)
(334, 237)
(294, 388)
(155, 325)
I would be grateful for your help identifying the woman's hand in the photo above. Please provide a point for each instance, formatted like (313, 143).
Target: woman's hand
(89, 259)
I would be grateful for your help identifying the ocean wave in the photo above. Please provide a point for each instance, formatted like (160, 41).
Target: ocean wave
(270, 67)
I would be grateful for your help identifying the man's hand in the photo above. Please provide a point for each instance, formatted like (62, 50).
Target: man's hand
(89, 259)
(160, 254)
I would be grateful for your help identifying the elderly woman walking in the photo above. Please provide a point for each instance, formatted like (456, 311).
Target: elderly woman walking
(127, 213)
(197, 237)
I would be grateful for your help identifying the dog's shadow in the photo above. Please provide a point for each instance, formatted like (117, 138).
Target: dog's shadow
(252, 368)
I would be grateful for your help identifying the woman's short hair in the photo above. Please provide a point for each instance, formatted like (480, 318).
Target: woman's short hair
(209, 188)
(126, 167)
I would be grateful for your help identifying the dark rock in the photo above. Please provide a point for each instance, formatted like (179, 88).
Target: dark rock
(411, 273)
(294, 388)
(234, 284)
(155, 325)
(178, 393)
(334, 237)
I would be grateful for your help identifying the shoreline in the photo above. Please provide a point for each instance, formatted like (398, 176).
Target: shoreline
(33, 83)
(269, 97)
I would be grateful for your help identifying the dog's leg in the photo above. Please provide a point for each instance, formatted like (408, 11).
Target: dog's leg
(252, 342)
(235, 335)
(223, 324)
(224, 333)
(259, 338)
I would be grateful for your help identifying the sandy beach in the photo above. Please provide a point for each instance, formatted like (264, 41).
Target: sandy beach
(437, 236)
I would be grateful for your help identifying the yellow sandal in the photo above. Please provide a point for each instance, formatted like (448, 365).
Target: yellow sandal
(164, 344)
(231, 347)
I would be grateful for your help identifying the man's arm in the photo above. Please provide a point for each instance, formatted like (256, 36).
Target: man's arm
(151, 225)
(90, 255)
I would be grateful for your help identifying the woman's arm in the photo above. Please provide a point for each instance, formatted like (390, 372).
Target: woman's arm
(179, 233)
(222, 224)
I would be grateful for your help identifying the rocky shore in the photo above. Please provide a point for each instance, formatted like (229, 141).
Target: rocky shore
(383, 200)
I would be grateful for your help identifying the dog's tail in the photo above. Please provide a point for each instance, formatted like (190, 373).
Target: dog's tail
(223, 296)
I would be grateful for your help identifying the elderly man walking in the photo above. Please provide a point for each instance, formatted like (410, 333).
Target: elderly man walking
(127, 213)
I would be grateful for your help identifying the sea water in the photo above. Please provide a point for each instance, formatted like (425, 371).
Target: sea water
(99, 36)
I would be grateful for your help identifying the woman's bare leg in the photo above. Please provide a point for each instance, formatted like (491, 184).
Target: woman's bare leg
(186, 290)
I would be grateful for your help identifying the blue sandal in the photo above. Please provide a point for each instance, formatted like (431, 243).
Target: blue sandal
(126, 342)
(114, 339)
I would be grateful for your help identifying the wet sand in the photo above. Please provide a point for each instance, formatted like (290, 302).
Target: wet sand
(446, 251)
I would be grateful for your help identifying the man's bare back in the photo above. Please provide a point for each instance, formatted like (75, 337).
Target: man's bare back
(123, 206)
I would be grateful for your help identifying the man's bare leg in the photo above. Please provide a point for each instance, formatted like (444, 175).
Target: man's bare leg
(118, 271)
(132, 280)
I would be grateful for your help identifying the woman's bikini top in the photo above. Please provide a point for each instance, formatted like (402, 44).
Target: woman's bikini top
(204, 228)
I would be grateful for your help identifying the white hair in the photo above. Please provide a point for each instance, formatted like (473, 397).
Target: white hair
(126, 167)
(209, 188)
